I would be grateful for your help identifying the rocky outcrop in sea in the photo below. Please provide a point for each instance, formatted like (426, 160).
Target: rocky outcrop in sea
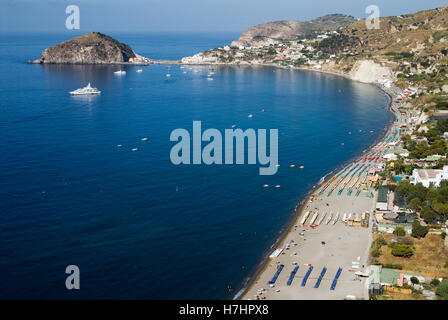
(91, 48)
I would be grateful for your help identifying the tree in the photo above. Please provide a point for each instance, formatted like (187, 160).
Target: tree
(442, 125)
(415, 280)
(415, 204)
(400, 232)
(402, 250)
(421, 151)
(418, 231)
(428, 214)
(442, 290)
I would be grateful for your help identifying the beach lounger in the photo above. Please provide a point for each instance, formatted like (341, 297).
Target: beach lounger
(306, 276)
(320, 277)
(335, 281)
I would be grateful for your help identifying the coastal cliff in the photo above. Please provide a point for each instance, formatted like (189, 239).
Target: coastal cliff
(91, 48)
(273, 32)
(370, 72)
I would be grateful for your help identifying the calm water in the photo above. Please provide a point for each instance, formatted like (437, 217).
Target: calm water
(136, 225)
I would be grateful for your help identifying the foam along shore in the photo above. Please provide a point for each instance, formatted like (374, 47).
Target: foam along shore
(340, 242)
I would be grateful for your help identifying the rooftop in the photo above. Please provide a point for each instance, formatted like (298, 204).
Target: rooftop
(382, 194)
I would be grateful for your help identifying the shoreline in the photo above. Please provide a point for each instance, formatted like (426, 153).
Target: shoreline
(299, 209)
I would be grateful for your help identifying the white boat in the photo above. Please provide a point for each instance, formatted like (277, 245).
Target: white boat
(139, 70)
(168, 75)
(85, 91)
(120, 73)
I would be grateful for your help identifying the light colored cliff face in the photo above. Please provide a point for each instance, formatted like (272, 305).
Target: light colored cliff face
(368, 71)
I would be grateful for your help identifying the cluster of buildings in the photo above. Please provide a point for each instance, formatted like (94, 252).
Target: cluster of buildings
(286, 52)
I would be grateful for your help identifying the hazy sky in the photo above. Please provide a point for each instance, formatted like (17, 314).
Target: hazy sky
(185, 15)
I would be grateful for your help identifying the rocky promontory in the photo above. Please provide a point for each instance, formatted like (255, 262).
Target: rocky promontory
(272, 32)
(91, 48)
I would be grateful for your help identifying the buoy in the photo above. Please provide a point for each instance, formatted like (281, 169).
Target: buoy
(266, 185)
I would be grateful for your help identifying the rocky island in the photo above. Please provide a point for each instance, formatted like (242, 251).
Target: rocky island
(91, 48)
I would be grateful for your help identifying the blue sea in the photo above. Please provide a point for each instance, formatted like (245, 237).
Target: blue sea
(137, 226)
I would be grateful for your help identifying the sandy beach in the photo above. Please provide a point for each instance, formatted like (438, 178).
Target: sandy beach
(331, 243)
(343, 245)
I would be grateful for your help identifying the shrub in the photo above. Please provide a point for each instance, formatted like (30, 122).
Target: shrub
(400, 232)
(435, 282)
(380, 241)
(402, 250)
(415, 280)
(426, 286)
(442, 290)
(418, 231)
(375, 252)
(393, 266)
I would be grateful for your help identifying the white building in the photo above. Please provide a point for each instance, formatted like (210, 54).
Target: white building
(198, 59)
(428, 176)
